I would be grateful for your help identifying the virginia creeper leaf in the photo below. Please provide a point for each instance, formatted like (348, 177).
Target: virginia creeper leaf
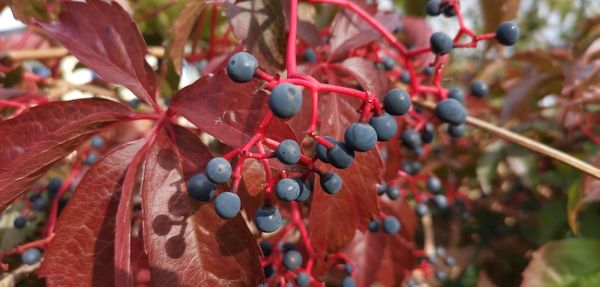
(82, 252)
(36, 139)
(104, 37)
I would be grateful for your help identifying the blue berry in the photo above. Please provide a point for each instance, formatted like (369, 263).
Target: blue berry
(434, 184)
(397, 102)
(479, 89)
(449, 11)
(451, 111)
(288, 152)
(39, 202)
(218, 170)
(135, 103)
(440, 251)
(428, 71)
(292, 260)
(201, 188)
(421, 209)
(348, 282)
(441, 201)
(303, 279)
(388, 63)
(331, 182)
(20, 222)
(457, 94)
(31, 256)
(268, 270)
(449, 261)
(267, 219)
(341, 155)
(321, 150)
(385, 126)
(241, 67)
(41, 71)
(227, 205)
(286, 246)
(391, 224)
(305, 190)
(457, 131)
(373, 225)
(285, 100)
(287, 189)
(441, 43)
(266, 247)
(91, 158)
(411, 139)
(393, 192)
(507, 34)
(348, 269)
(54, 186)
(433, 8)
(427, 133)
(382, 188)
(97, 141)
(405, 77)
(361, 137)
(441, 275)
(310, 55)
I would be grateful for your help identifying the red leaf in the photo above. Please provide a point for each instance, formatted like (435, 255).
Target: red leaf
(181, 29)
(82, 252)
(229, 111)
(349, 31)
(417, 33)
(356, 203)
(187, 243)
(366, 252)
(33, 141)
(105, 38)
(367, 74)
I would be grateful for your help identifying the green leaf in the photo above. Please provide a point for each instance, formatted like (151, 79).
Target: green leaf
(570, 262)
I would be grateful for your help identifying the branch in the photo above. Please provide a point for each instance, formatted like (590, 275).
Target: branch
(57, 52)
(11, 279)
(523, 141)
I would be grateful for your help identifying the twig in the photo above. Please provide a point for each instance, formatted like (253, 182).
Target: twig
(524, 142)
(428, 232)
(11, 279)
(57, 52)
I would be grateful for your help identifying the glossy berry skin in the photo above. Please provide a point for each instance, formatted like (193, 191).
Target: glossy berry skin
(421, 209)
(31, 256)
(405, 77)
(441, 43)
(391, 224)
(303, 279)
(91, 158)
(451, 111)
(456, 131)
(388, 63)
(305, 190)
(457, 94)
(331, 182)
(292, 260)
(393, 192)
(321, 150)
(433, 8)
(441, 201)
(241, 67)
(288, 152)
(310, 55)
(385, 126)
(373, 225)
(54, 186)
(479, 89)
(360, 137)
(285, 100)
(427, 133)
(218, 170)
(507, 34)
(434, 184)
(97, 141)
(287, 189)
(227, 205)
(267, 219)
(266, 247)
(201, 188)
(397, 102)
(411, 139)
(382, 188)
(20, 222)
(348, 282)
(341, 155)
